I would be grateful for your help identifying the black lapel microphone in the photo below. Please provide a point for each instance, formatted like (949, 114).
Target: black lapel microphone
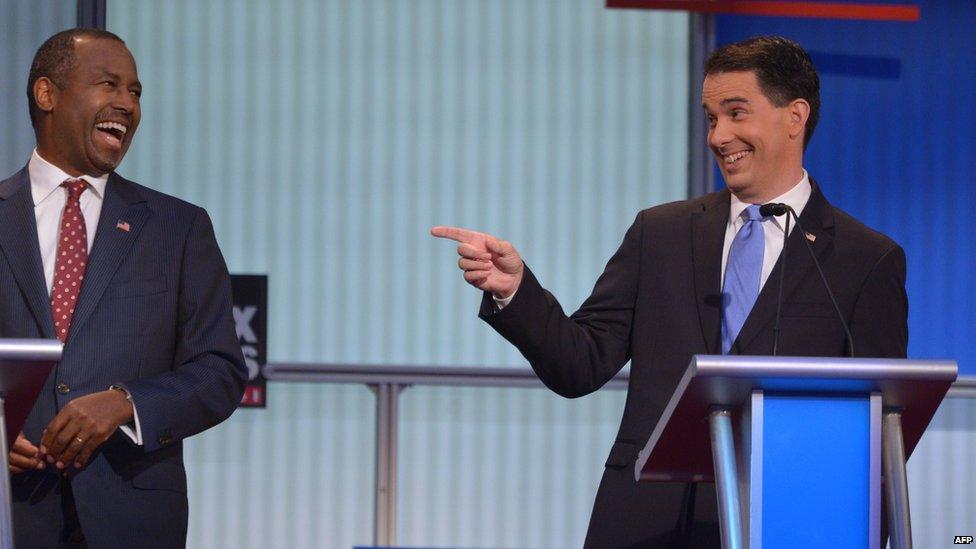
(773, 209)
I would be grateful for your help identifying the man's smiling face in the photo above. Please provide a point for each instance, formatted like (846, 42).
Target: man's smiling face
(753, 140)
(92, 119)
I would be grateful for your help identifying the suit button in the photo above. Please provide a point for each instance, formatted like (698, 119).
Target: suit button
(63, 389)
(165, 437)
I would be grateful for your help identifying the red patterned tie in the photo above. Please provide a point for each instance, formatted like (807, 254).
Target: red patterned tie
(69, 267)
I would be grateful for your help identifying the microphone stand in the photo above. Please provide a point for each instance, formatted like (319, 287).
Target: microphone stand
(779, 295)
(780, 209)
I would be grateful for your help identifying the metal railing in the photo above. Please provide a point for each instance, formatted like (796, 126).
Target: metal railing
(388, 381)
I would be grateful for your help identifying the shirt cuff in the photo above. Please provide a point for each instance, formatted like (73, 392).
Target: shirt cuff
(132, 429)
(502, 303)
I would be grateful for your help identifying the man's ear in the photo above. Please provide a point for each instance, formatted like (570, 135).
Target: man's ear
(45, 94)
(799, 111)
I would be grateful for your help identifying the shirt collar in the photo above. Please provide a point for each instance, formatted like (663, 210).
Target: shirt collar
(45, 178)
(795, 198)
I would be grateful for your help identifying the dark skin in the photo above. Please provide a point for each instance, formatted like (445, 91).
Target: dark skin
(85, 128)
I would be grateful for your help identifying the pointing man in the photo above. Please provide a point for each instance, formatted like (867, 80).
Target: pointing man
(691, 278)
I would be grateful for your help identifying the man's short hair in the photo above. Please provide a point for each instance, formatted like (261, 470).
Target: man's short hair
(783, 69)
(56, 58)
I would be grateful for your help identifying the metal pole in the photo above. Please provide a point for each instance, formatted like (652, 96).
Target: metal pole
(6, 519)
(701, 43)
(874, 484)
(391, 489)
(726, 478)
(387, 405)
(381, 531)
(896, 481)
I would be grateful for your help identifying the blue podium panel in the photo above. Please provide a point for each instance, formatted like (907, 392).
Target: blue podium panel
(816, 471)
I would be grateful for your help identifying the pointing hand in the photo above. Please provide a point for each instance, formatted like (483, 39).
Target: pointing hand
(489, 264)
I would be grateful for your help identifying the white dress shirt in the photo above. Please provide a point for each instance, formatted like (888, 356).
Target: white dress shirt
(49, 201)
(773, 228)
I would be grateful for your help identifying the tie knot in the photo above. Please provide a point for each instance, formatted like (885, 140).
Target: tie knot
(752, 213)
(75, 187)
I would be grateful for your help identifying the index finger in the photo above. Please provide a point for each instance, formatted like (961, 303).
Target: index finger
(458, 234)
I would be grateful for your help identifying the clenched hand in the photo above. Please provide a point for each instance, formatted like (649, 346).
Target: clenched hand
(82, 426)
(24, 456)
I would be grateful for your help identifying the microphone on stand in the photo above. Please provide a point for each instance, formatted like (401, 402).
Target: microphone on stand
(773, 209)
(767, 210)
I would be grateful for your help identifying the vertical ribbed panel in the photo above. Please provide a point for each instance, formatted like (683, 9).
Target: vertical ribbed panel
(24, 26)
(482, 467)
(327, 137)
(942, 476)
(299, 474)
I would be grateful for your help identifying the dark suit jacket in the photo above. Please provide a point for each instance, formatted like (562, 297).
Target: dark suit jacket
(154, 315)
(657, 303)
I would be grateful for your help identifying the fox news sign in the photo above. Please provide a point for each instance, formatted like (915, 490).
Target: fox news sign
(251, 320)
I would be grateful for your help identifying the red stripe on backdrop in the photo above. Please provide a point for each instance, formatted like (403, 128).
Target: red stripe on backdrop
(823, 10)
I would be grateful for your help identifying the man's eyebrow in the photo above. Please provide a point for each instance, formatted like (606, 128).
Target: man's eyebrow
(728, 100)
(103, 72)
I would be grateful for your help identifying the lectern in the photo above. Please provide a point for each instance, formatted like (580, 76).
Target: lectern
(798, 447)
(24, 367)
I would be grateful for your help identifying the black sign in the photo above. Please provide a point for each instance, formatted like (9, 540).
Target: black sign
(251, 319)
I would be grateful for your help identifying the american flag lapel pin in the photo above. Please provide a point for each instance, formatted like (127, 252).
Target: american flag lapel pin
(122, 226)
(811, 237)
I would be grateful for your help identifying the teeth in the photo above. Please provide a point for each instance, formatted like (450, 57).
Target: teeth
(111, 126)
(733, 157)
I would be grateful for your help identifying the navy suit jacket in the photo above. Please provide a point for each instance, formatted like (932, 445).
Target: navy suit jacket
(155, 316)
(658, 303)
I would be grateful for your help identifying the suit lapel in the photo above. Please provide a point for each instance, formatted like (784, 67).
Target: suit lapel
(708, 235)
(18, 240)
(123, 204)
(818, 220)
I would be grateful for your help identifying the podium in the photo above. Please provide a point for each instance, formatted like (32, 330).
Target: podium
(797, 446)
(24, 367)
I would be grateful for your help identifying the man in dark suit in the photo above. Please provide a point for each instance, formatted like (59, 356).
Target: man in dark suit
(134, 285)
(691, 278)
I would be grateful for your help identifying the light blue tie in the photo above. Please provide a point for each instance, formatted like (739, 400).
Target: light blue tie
(742, 275)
